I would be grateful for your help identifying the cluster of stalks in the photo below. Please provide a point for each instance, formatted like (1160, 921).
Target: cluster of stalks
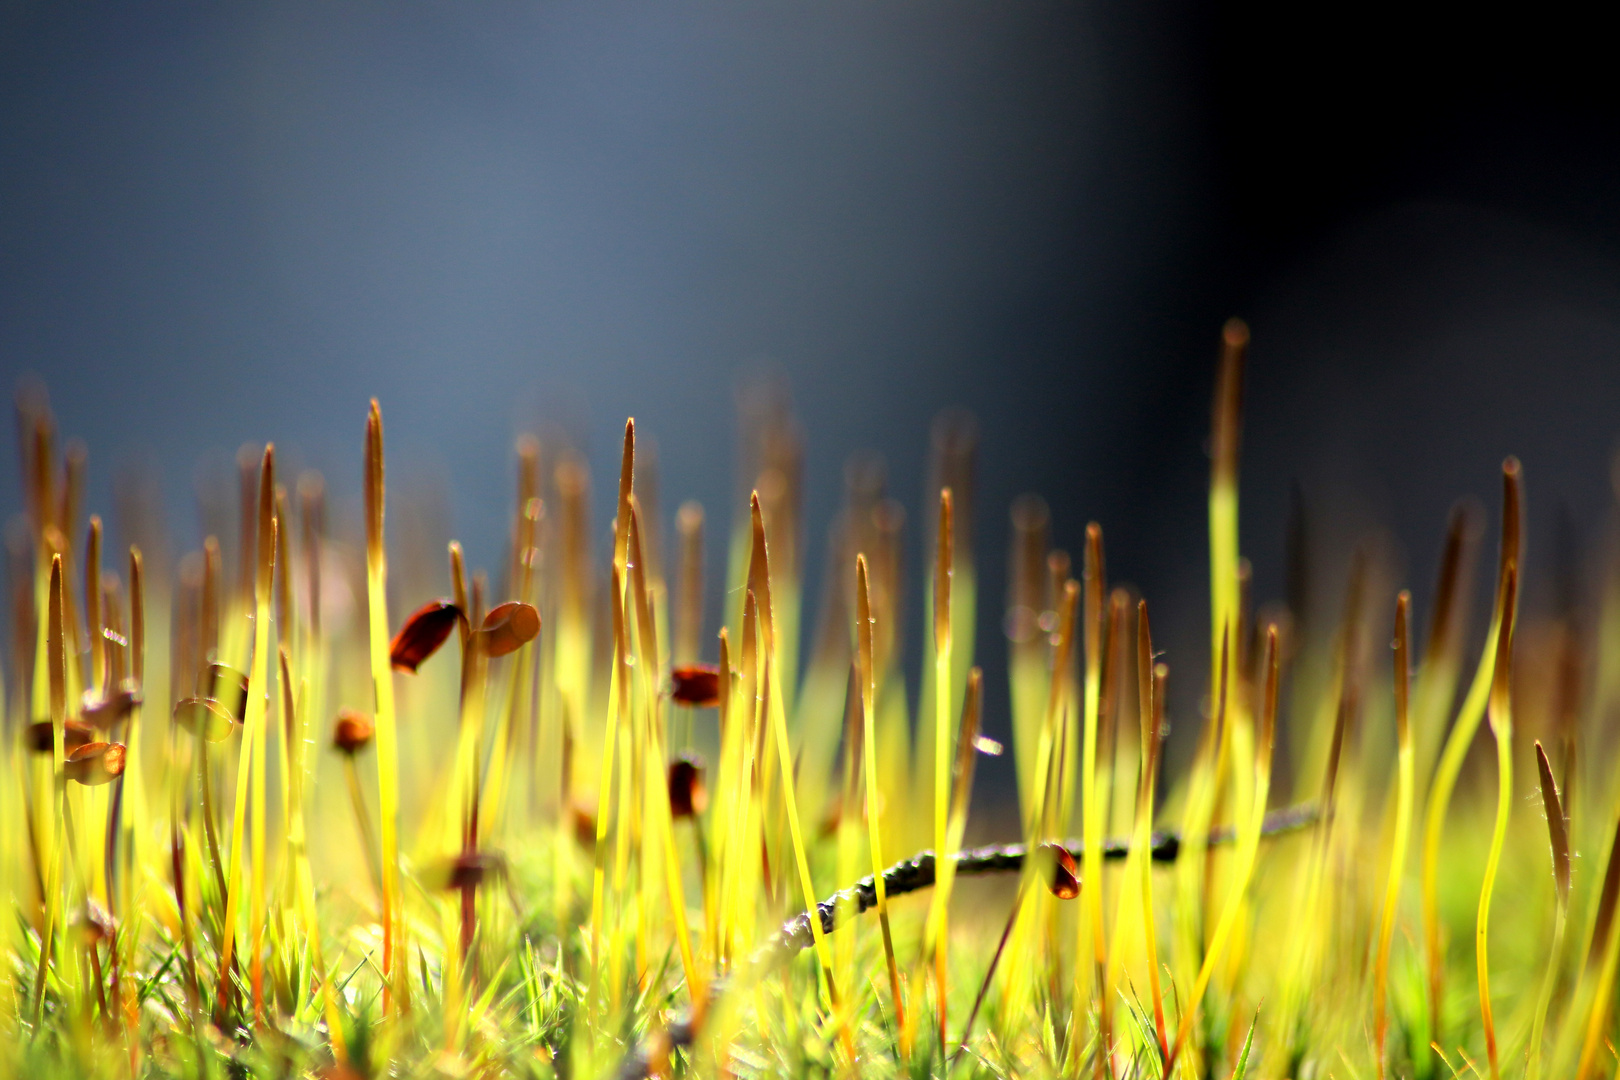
(257, 824)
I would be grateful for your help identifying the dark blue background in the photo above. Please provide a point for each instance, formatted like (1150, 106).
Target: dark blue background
(229, 223)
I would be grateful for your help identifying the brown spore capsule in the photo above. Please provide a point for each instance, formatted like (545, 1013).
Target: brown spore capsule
(688, 795)
(508, 627)
(42, 738)
(696, 685)
(104, 712)
(352, 731)
(471, 869)
(95, 763)
(427, 628)
(1058, 871)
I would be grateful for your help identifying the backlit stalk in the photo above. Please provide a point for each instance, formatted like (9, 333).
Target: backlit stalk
(396, 984)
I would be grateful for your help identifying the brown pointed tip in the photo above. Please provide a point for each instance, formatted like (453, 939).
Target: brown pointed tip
(95, 763)
(41, 737)
(1058, 871)
(688, 796)
(427, 628)
(352, 732)
(1557, 825)
(1235, 334)
(508, 627)
(1512, 511)
(695, 685)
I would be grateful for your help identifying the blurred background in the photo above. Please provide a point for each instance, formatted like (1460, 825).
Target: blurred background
(229, 223)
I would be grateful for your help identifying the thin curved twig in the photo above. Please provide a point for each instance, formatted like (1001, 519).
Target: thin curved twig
(910, 875)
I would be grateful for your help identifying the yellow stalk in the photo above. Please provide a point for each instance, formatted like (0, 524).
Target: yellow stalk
(761, 576)
(1457, 744)
(1039, 818)
(1028, 645)
(1226, 430)
(1403, 824)
(1199, 808)
(961, 798)
(12, 782)
(1088, 977)
(256, 711)
(1501, 715)
(470, 727)
(938, 930)
(1039, 822)
(465, 822)
(250, 766)
(507, 728)
(1139, 863)
(1248, 847)
(863, 637)
(570, 665)
(95, 803)
(618, 701)
(51, 816)
(743, 716)
(1606, 937)
(848, 815)
(396, 983)
(286, 638)
(618, 710)
(1305, 948)
(657, 784)
(304, 880)
(1160, 677)
(714, 904)
(134, 824)
(618, 705)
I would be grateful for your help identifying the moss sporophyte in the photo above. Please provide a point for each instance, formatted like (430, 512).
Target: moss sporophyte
(593, 844)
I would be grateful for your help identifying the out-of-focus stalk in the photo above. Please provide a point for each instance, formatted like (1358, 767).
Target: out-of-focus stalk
(1456, 749)
(1403, 825)
(1501, 715)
